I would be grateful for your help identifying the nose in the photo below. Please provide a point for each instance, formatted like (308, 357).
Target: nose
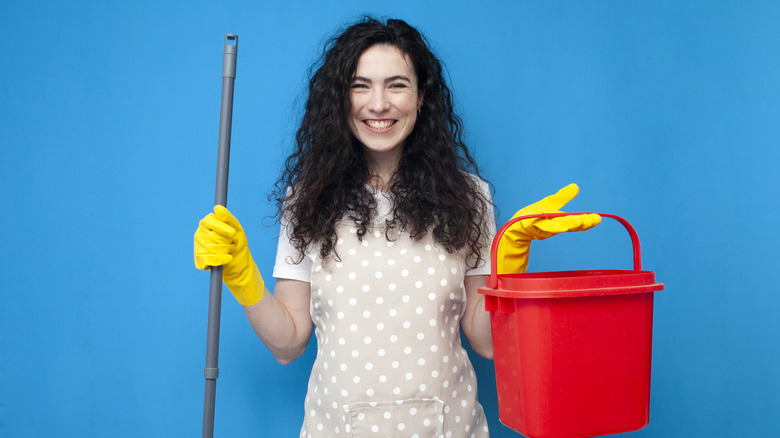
(378, 102)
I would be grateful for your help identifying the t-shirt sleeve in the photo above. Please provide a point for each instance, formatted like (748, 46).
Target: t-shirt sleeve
(483, 268)
(289, 262)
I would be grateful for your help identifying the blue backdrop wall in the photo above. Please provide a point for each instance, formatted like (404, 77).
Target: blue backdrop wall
(664, 112)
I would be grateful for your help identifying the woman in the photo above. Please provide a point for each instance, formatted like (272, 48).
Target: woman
(385, 238)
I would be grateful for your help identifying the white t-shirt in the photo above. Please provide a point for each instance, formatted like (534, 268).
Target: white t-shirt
(287, 254)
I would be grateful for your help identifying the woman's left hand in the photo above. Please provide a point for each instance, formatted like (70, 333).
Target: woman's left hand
(515, 244)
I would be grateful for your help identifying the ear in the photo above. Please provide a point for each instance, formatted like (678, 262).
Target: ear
(420, 96)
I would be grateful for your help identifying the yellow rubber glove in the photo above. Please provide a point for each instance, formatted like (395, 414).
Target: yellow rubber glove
(516, 242)
(220, 241)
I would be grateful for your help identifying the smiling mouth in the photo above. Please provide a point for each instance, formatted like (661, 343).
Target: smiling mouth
(379, 124)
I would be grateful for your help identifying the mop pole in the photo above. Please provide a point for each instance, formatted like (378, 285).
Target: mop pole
(211, 371)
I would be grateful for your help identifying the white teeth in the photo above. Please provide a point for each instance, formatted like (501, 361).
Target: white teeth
(377, 124)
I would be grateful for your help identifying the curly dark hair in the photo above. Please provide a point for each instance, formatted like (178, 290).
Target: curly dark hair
(435, 187)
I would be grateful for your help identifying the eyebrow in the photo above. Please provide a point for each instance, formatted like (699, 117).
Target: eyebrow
(390, 79)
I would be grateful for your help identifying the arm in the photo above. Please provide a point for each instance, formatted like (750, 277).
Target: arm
(475, 323)
(282, 320)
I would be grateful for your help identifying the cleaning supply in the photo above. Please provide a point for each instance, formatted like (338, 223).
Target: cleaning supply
(220, 241)
(572, 348)
(516, 241)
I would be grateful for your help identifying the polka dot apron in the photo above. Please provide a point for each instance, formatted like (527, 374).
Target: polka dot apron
(389, 358)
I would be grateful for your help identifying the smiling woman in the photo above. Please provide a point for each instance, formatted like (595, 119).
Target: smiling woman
(384, 242)
(384, 101)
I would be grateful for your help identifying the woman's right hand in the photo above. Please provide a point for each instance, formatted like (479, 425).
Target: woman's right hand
(220, 241)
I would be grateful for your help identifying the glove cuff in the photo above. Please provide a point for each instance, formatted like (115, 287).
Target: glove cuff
(249, 289)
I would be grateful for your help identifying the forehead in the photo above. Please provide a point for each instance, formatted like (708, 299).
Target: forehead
(382, 61)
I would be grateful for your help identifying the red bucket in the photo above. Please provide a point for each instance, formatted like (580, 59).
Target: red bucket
(572, 349)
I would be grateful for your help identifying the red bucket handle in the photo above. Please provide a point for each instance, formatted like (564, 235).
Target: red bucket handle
(492, 280)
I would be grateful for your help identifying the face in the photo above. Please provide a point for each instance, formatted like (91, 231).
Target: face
(384, 100)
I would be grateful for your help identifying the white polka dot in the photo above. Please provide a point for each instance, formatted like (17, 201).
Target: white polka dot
(421, 361)
(353, 327)
(352, 276)
(340, 289)
(391, 262)
(391, 286)
(393, 338)
(405, 273)
(396, 390)
(434, 348)
(420, 336)
(381, 352)
(431, 271)
(418, 284)
(364, 243)
(419, 310)
(416, 259)
(375, 428)
(403, 251)
(366, 288)
(409, 376)
(387, 415)
(442, 257)
(355, 353)
(328, 277)
(366, 314)
(383, 378)
(405, 298)
(401, 426)
(380, 326)
(432, 323)
(342, 341)
(395, 364)
(369, 366)
(380, 300)
(369, 392)
(422, 387)
(378, 274)
(356, 379)
(367, 339)
(427, 247)
(443, 282)
(352, 251)
(408, 350)
(407, 324)
(392, 312)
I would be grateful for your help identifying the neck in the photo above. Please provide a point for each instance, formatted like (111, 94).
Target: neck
(382, 168)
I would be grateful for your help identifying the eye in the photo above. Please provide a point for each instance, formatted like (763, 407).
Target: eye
(358, 86)
(398, 85)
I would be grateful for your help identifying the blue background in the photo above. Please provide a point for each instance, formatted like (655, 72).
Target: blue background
(666, 113)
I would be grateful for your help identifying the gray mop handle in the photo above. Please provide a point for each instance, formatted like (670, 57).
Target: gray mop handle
(211, 371)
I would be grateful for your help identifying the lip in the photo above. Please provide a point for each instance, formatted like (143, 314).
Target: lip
(385, 125)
